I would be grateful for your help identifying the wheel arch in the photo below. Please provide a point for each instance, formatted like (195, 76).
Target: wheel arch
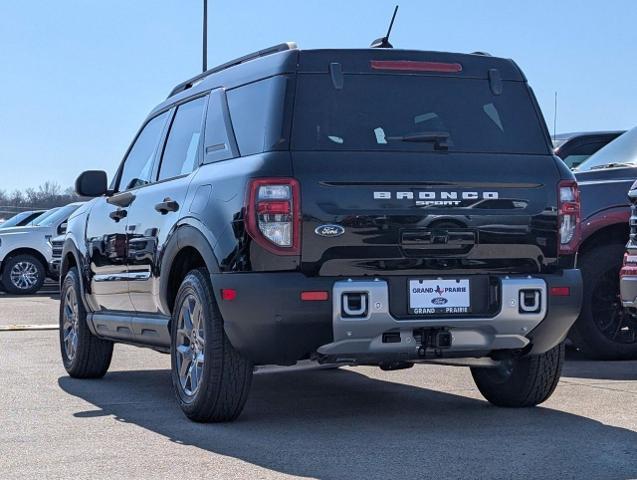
(609, 234)
(72, 258)
(189, 248)
(27, 251)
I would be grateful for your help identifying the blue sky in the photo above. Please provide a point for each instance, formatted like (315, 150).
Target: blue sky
(79, 76)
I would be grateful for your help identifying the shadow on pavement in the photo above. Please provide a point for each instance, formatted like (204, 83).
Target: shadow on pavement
(54, 295)
(578, 366)
(335, 424)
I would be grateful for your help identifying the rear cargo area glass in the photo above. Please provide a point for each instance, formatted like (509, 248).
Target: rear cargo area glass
(371, 112)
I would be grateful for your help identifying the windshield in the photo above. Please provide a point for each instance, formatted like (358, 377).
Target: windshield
(414, 113)
(46, 214)
(36, 218)
(58, 216)
(622, 150)
(13, 221)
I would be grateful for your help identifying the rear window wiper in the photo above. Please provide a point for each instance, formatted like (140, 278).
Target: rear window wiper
(612, 165)
(439, 139)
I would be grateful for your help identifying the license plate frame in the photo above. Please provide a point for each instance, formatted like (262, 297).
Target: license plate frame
(426, 296)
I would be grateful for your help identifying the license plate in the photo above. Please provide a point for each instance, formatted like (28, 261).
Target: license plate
(439, 296)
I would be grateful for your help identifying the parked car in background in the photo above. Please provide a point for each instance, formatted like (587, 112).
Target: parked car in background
(22, 219)
(57, 243)
(576, 148)
(628, 273)
(604, 329)
(25, 252)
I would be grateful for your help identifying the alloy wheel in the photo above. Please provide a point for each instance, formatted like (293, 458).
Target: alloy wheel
(24, 275)
(190, 343)
(70, 323)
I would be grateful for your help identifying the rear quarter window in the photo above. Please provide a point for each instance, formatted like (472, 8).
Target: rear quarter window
(258, 115)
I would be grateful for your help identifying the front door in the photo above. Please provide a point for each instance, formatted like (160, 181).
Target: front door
(108, 220)
(106, 247)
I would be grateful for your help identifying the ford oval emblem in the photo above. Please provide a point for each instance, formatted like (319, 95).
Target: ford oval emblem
(439, 301)
(329, 230)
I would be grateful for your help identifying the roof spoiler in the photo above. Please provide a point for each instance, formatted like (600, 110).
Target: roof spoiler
(282, 47)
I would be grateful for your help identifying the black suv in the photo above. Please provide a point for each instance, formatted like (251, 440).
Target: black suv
(360, 207)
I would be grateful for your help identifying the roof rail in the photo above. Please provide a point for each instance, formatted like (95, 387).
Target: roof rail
(282, 47)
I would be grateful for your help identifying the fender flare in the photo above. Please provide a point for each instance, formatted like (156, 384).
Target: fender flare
(606, 217)
(71, 247)
(186, 235)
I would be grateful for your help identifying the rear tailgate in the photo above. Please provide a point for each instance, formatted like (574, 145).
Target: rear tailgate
(409, 213)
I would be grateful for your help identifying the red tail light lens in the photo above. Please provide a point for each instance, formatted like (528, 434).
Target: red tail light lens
(560, 291)
(273, 214)
(629, 268)
(318, 296)
(412, 66)
(228, 294)
(568, 215)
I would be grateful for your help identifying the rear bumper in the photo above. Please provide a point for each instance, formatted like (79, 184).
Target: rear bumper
(269, 323)
(628, 289)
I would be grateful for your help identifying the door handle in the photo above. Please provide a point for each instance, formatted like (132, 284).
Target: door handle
(121, 199)
(118, 214)
(168, 205)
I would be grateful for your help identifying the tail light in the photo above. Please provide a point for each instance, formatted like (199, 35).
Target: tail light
(273, 214)
(629, 267)
(414, 66)
(568, 215)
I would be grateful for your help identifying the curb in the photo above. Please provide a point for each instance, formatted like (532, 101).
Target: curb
(19, 328)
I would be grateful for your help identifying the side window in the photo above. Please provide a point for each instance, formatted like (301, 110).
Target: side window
(258, 113)
(180, 154)
(138, 165)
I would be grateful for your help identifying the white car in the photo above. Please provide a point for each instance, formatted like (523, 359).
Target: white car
(25, 252)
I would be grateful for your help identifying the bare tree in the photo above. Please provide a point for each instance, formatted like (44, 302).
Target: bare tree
(46, 196)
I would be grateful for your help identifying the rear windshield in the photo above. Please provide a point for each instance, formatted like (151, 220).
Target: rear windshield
(414, 113)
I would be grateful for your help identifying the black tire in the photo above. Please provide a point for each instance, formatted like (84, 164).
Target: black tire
(604, 329)
(91, 356)
(224, 380)
(523, 382)
(15, 286)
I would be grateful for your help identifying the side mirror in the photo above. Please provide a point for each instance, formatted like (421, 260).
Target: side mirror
(91, 183)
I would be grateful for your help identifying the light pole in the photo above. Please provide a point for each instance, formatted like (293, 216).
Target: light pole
(205, 36)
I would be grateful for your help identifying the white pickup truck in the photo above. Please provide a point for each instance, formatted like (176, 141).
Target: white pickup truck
(25, 252)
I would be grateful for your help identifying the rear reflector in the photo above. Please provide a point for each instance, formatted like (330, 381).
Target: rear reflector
(228, 294)
(629, 268)
(314, 296)
(560, 292)
(628, 272)
(411, 66)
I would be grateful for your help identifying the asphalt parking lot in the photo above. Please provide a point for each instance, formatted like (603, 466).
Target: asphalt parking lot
(426, 422)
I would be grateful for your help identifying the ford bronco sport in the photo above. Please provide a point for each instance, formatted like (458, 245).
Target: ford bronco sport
(359, 207)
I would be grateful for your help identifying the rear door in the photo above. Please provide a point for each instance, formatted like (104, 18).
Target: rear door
(157, 207)
(426, 174)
